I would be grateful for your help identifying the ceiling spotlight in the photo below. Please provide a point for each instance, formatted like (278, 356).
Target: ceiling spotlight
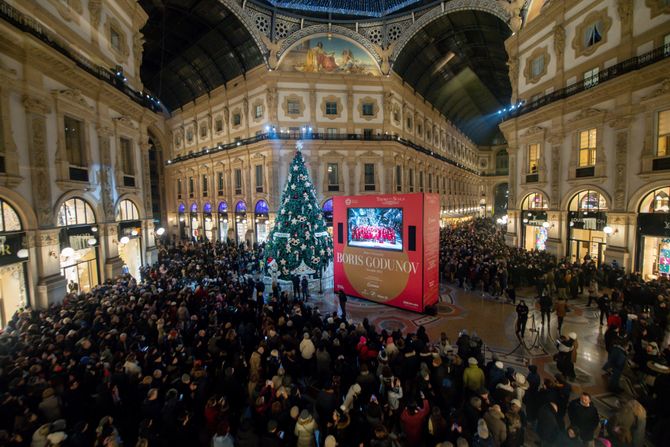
(124, 240)
(134, 233)
(160, 231)
(92, 241)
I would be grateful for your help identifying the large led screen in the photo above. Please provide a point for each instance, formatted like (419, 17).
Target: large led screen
(377, 228)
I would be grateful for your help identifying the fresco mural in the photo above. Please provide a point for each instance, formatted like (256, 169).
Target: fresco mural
(329, 55)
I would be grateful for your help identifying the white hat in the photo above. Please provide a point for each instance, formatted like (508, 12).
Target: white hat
(572, 335)
(499, 364)
(472, 361)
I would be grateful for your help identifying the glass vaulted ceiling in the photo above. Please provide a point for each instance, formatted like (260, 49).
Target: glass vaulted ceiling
(361, 8)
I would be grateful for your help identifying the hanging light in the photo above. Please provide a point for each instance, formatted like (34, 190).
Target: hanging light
(94, 229)
(23, 253)
(160, 231)
(67, 252)
(608, 230)
(134, 233)
(92, 241)
(124, 240)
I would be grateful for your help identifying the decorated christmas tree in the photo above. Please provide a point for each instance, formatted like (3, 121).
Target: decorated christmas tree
(299, 243)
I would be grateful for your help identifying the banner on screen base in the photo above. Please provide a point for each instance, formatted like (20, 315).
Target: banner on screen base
(386, 248)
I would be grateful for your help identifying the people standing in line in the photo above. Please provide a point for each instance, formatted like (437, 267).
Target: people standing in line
(342, 298)
(561, 312)
(304, 286)
(546, 304)
(604, 307)
(521, 318)
(296, 287)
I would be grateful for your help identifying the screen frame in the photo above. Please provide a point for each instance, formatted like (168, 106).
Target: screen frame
(402, 227)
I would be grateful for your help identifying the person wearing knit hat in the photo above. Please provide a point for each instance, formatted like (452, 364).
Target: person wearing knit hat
(482, 432)
(473, 376)
(330, 441)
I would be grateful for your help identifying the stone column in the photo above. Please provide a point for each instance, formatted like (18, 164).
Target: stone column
(110, 242)
(556, 142)
(350, 110)
(312, 107)
(36, 111)
(51, 286)
(106, 173)
(148, 224)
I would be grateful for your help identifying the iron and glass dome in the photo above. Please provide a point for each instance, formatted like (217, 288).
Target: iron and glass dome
(356, 8)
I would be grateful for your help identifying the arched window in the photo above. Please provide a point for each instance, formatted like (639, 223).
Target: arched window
(534, 201)
(75, 212)
(241, 207)
(127, 211)
(262, 207)
(657, 201)
(194, 207)
(207, 208)
(9, 219)
(181, 209)
(587, 201)
(223, 207)
(502, 162)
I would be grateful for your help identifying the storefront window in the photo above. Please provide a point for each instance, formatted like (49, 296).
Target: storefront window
(195, 222)
(241, 221)
(13, 289)
(653, 235)
(223, 221)
(587, 217)
(262, 221)
(181, 210)
(534, 233)
(130, 237)
(209, 222)
(79, 245)
(327, 209)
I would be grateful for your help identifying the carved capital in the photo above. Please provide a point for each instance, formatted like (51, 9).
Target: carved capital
(35, 105)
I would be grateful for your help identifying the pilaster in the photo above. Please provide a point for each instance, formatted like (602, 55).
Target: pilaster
(36, 111)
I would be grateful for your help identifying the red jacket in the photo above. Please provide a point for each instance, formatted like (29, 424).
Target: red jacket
(412, 424)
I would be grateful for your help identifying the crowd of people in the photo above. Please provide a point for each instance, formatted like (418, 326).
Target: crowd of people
(198, 353)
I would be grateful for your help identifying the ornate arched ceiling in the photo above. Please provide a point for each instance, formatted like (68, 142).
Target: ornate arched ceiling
(193, 46)
(458, 63)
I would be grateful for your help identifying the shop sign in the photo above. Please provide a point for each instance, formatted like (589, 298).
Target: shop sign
(654, 224)
(10, 244)
(590, 221)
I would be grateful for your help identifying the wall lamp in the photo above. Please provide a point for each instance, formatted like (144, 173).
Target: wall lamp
(609, 230)
(547, 225)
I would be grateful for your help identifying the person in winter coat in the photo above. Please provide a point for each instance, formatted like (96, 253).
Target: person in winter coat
(412, 420)
(381, 437)
(473, 376)
(495, 421)
(561, 311)
(630, 424)
(304, 430)
(483, 437)
(50, 405)
(584, 416)
(352, 395)
(548, 429)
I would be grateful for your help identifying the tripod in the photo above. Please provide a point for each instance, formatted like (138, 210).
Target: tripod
(535, 338)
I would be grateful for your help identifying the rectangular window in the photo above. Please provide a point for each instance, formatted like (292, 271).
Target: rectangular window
(411, 180)
(205, 186)
(219, 183)
(115, 39)
(591, 78)
(537, 66)
(203, 131)
(127, 165)
(419, 128)
(367, 134)
(368, 109)
(398, 178)
(218, 125)
(409, 123)
(331, 108)
(189, 135)
(666, 45)
(663, 149)
(331, 132)
(74, 141)
(421, 181)
(587, 147)
(533, 156)
(293, 107)
(237, 119)
(369, 170)
(258, 111)
(430, 182)
(191, 187)
(238, 181)
(259, 178)
(333, 177)
(179, 190)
